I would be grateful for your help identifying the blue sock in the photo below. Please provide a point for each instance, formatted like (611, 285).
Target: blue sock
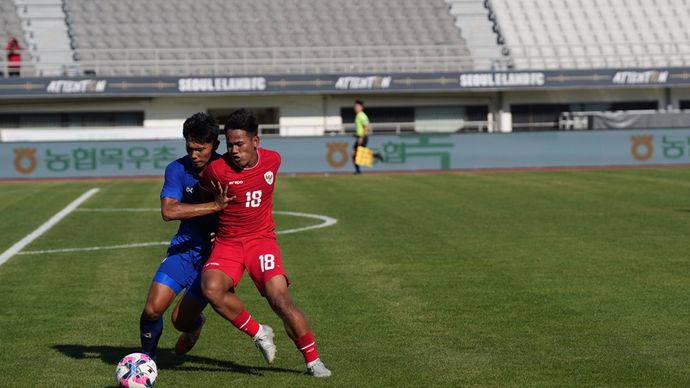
(197, 323)
(150, 332)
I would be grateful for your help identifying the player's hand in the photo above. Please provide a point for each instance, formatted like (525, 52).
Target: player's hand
(359, 141)
(220, 195)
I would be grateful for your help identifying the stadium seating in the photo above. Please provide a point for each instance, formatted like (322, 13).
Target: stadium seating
(133, 37)
(595, 33)
(236, 36)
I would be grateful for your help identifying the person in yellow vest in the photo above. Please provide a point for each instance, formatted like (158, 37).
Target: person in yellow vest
(361, 134)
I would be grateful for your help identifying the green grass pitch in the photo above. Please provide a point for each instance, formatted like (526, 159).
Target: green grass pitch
(570, 278)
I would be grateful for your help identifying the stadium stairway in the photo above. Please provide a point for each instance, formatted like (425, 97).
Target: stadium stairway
(45, 31)
(472, 18)
(10, 25)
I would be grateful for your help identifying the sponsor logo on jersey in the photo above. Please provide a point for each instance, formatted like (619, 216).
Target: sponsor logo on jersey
(235, 182)
(269, 177)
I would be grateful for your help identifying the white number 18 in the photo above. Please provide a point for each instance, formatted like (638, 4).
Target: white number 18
(267, 262)
(253, 198)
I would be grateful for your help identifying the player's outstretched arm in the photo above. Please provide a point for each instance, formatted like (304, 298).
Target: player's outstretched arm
(172, 209)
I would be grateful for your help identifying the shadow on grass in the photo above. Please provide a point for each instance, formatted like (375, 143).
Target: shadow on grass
(165, 359)
(683, 210)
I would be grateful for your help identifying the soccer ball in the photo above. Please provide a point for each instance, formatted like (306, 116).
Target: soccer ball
(136, 370)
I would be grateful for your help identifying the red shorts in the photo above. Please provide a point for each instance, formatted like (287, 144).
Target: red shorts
(260, 256)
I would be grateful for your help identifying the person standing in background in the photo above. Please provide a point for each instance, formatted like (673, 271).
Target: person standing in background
(14, 57)
(361, 134)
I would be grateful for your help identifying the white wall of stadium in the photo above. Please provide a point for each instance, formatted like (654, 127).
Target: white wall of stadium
(306, 115)
(331, 154)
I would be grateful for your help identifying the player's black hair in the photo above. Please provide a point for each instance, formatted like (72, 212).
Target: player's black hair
(360, 102)
(243, 119)
(201, 128)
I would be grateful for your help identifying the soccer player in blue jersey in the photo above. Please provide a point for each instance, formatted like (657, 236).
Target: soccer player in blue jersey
(182, 199)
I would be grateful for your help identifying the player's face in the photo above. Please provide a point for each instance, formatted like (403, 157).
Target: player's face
(242, 147)
(358, 108)
(200, 153)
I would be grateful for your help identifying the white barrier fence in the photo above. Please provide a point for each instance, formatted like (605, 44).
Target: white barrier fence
(268, 130)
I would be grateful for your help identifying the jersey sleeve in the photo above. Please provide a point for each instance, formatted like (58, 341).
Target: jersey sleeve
(173, 187)
(279, 161)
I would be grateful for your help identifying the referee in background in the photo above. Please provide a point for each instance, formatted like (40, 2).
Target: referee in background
(361, 134)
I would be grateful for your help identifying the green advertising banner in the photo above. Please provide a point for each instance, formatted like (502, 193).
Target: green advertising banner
(87, 159)
(332, 154)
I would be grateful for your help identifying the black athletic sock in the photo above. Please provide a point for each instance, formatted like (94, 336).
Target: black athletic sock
(150, 333)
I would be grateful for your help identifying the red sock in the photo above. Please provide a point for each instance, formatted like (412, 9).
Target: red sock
(246, 323)
(307, 345)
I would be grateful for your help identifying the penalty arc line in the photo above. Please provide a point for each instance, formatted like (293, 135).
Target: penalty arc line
(19, 245)
(327, 221)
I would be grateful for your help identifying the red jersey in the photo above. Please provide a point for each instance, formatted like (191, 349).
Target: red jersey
(250, 214)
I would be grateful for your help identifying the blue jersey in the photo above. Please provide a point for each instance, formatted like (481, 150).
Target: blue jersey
(182, 184)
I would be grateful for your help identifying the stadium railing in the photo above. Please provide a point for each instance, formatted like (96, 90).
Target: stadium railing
(643, 118)
(135, 133)
(272, 60)
(376, 128)
(353, 59)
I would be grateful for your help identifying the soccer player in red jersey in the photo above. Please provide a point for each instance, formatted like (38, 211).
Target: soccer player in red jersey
(246, 239)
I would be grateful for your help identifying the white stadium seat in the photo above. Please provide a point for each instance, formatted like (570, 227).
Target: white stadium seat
(637, 29)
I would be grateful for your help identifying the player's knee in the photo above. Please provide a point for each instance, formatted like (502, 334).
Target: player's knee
(152, 312)
(213, 291)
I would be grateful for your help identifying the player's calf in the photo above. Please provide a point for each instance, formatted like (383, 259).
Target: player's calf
(215, 286)
(296, 325)
(150, 331)
(189, 338)
(151, 323)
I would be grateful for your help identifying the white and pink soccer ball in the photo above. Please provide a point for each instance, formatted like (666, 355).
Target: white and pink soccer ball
(136, 370)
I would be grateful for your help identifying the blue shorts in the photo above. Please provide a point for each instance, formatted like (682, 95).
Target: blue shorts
(182, 270)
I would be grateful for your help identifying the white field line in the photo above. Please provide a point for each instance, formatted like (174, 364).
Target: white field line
(327, 221)
(147, 244)
(19, 245)
(118, 210)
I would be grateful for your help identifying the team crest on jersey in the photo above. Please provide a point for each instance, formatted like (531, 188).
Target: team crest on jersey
(269, 177)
